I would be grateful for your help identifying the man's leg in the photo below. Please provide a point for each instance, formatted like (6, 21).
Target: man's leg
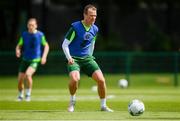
(29, 73)
(73, 85)
(99, 78)
(21, 77)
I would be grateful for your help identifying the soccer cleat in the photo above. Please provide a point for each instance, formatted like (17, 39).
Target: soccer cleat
(106, 109)
(71, 106)
(19, 98)
(28, 98)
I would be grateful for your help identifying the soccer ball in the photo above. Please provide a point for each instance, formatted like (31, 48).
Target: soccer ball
(136, 107)
(123, 83)
(94, 88)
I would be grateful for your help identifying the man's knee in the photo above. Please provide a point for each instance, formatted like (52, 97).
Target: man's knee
(75, 80)
(75, 76)
(101, 81)
(30, 71)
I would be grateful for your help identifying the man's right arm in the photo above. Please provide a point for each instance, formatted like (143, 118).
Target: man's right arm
(18, 48)
(65, 46)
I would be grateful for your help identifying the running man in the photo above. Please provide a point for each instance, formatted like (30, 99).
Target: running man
(30, 48)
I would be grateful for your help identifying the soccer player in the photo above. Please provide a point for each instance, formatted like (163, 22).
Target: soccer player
(30, 48)
(78, 47)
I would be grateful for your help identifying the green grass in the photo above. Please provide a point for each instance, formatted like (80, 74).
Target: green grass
(50, 99)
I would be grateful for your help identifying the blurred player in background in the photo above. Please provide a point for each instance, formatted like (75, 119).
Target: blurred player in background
(78, 47)
(30, 48)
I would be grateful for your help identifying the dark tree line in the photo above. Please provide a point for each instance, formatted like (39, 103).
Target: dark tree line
(129, 25)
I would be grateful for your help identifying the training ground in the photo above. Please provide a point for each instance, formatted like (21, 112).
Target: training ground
(50, 98)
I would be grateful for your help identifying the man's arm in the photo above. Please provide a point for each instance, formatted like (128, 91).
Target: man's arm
(66, 51)
(65, 46)
(45, 53)
(18, 51)
(92, 46)
(18, 47)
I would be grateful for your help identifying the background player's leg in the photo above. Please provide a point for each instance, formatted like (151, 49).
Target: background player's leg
(29, 72)
(21, 77)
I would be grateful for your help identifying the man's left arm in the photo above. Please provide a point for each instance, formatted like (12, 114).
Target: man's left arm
(92, 46)
(45, 52)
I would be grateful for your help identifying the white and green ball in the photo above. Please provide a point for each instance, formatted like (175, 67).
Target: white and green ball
(123, 83)
(136, 107)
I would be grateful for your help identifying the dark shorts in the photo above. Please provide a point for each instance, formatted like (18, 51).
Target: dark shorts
(87, 65)
(25, 64)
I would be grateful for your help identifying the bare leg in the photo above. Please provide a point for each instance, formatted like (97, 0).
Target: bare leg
(29, 73)
(99, 78)
(21, 77)
(73, 85)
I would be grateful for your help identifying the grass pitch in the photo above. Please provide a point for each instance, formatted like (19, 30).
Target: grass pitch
(50, 98)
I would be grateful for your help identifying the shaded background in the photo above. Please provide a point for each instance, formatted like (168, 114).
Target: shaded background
(136, 36)
(125, 25)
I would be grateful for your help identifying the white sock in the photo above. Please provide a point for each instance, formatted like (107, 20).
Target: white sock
(103, 102)
(28, 92)
(21, 93)
(72, 98)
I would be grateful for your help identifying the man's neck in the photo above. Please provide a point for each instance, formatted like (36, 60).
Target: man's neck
(86, 24)
(33, 32)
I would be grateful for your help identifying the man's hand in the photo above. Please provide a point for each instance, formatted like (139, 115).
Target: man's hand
(71, 61)
(43, 60)
(18, 53)
(45, 53)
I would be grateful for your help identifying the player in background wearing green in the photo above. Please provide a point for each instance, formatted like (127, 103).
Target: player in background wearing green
(78, 47)
(30, 48)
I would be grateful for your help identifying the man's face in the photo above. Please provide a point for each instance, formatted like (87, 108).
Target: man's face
(90, 17)
(32, 26)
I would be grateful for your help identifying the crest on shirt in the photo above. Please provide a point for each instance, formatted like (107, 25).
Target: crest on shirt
(87, 36)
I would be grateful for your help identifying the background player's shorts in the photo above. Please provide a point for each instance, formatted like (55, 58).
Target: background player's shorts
(25, 64)
(87, 65)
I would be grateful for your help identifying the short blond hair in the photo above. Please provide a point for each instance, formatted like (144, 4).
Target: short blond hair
(32, 19)
(87, 7)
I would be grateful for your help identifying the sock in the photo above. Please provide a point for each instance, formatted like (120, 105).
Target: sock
(28, 92)
(21, 93)
(72, 98)
(103, 102)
